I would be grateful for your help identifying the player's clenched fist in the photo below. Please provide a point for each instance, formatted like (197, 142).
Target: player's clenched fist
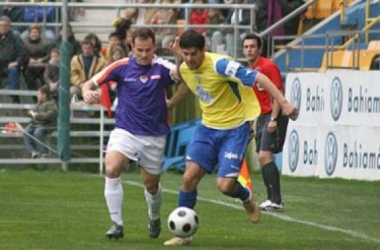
(91, 97)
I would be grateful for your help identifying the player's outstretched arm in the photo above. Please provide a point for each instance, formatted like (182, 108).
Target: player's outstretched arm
(178, 95)
(90, 96)
(287, 108)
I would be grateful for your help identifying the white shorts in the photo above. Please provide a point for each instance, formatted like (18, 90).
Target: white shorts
(148, 151)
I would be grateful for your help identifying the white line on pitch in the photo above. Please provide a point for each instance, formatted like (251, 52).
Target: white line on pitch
(276, 215)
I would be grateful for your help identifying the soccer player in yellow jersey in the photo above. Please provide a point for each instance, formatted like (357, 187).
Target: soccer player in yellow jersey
(224, 90)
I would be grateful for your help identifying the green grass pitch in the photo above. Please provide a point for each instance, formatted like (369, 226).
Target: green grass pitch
(55, 210)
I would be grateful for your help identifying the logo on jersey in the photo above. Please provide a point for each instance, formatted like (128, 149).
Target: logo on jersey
(232, 68)
(294, 150)
(155, 77)
(336, 98)
(144, 79)
(230, 155)
(295, 94)
(129, 79)
(331, 153)
(203, 95)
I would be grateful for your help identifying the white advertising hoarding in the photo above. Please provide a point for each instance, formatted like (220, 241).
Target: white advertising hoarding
(300, 154)
(306, 92)
(350, 152)
(337, 133)
(353, 98)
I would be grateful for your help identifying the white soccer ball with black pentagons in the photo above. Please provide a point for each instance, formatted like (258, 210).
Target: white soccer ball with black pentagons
(183, 222)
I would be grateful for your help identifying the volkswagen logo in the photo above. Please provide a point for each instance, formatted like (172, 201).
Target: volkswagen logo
(295, 94)
(336, 98)
(331, 153)
(294, 150)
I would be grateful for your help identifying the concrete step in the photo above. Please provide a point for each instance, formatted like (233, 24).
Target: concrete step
(102, 17)
(106, 2)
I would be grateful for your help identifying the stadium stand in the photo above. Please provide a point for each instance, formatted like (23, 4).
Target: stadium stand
(345, 59)
(87, 136)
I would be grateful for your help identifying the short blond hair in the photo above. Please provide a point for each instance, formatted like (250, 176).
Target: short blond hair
(35, 27)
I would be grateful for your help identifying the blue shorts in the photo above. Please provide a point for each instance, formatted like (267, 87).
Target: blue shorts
(226, 147)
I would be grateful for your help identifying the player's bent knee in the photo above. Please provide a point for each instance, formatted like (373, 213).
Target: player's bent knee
(192, 176)
(227, 187)
(190, 181)
(151, 188)
(113, 171)
(114, 164)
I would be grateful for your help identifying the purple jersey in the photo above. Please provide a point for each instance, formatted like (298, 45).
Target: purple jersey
(141, 108)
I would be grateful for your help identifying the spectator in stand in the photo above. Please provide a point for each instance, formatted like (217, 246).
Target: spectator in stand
(12, 55)
(95, 41)
(117, 53)
(51, 74)
(75, 13)
(84, 66)
(128, 42)
(113, 41)
(164, 36)
(181, 12)
(200, 17)
(33, 14)
(108, 90)
(122, 29)
(269, 12)
(141, 16)
(37, 50)
(44, 121)
(13, 12)
(215, 17)
(70, 38)
(226, 36)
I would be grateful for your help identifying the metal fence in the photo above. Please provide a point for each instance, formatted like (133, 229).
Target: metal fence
(235, 30)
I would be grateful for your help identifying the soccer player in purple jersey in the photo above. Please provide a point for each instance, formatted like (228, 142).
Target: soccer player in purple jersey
(140, 126)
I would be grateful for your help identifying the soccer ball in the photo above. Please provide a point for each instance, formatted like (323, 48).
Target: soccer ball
(183, 222)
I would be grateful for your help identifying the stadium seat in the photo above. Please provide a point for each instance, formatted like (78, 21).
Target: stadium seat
(172, 137)
(319, 10)
(366, 57)
(178, 160)
(324, 8)
(349, 59)
(374, 45)
(336, 59)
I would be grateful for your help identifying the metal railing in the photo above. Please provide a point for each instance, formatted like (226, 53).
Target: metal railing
(355, 37)
(101, 133)
(354, 42)
(119, 7)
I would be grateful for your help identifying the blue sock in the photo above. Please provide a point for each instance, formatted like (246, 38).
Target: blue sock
(187, 199)
(242, 192)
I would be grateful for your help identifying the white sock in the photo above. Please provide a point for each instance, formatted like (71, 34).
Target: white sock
(114, 194)
(154, 203)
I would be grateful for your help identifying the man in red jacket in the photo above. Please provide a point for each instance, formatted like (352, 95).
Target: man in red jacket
(271, 124)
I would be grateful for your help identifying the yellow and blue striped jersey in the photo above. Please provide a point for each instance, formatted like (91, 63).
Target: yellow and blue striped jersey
(224, 90)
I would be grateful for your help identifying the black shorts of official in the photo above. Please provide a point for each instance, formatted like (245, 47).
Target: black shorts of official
(266, 141)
